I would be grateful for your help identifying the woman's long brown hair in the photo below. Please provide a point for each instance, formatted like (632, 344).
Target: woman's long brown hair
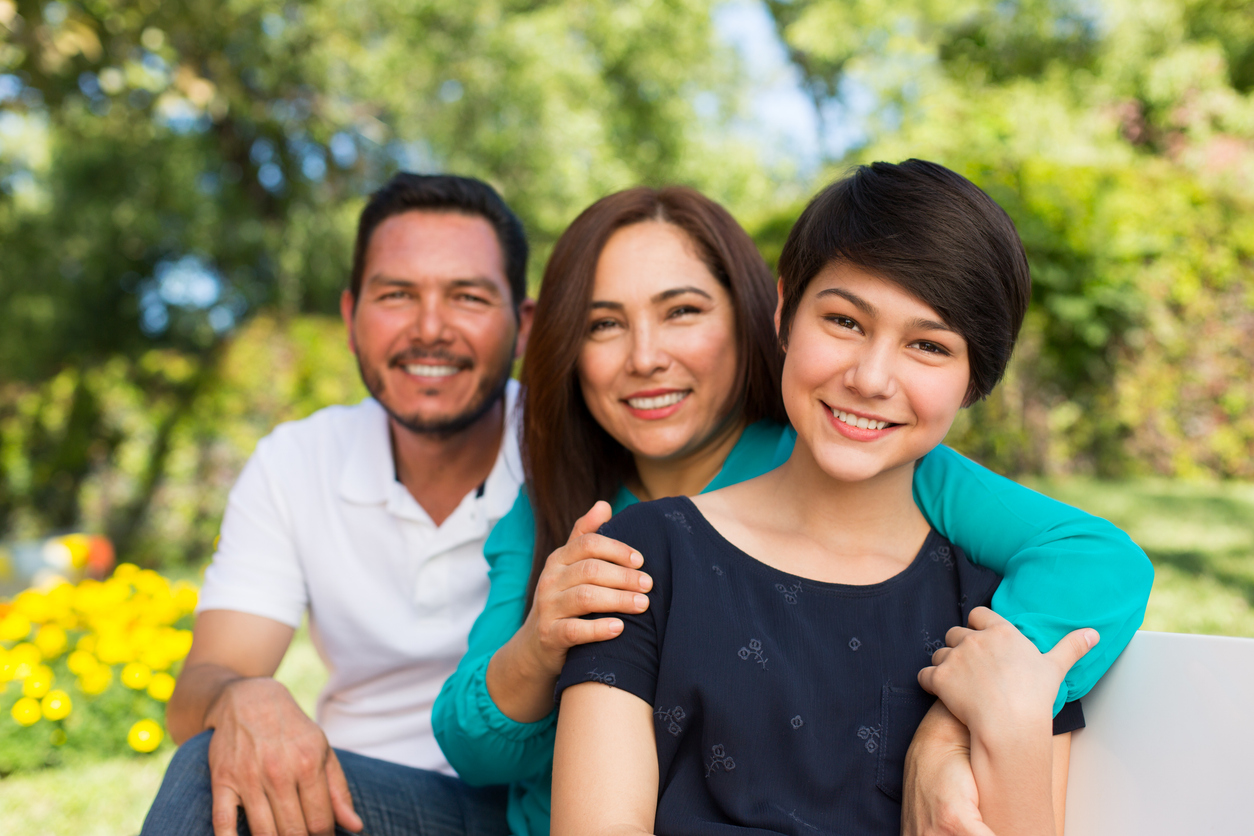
(569, 460)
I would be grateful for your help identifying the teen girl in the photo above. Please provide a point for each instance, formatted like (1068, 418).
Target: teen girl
(771, 685)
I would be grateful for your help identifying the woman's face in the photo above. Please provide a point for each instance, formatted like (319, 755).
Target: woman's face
(659, 359)
(872, 377)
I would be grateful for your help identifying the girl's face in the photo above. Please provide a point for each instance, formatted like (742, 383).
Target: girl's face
(872, 377)
(658, 363)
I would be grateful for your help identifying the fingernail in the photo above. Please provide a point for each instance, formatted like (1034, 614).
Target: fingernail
(616, 627)
(646, 582)
(642, 601)
(637, 559)
(1091, 636)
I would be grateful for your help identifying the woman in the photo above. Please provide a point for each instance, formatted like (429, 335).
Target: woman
(653, 370)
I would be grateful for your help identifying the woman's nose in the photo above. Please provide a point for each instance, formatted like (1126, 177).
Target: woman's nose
(647, 356)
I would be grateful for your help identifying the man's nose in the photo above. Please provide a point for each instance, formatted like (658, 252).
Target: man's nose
(431, 325)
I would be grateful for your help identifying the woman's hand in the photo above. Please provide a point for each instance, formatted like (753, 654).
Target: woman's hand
(991, 675)
(590, 574)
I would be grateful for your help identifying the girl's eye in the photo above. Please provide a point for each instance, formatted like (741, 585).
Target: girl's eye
(843, 322)
(931, 348)
(602, 325)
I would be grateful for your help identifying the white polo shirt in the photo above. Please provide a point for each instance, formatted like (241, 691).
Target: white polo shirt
(318, 522)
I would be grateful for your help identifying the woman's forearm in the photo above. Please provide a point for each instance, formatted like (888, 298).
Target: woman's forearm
(518, 682)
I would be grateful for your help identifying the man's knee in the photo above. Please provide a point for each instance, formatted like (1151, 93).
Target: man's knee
(186, 794)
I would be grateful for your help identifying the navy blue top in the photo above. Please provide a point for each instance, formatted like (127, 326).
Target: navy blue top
(781, 704)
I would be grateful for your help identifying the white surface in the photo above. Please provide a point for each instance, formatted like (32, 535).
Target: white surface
(318, 522)
(1169, 743)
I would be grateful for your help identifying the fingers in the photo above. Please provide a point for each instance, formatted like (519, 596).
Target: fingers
(927, 679)
(598, 515)
(315, 804)
(982, 618)
(225, 811)
(341, 798)
(1072, 647)
(939, 656)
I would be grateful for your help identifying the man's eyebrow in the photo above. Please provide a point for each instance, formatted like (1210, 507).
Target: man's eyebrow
(856, 300)
(479, 283)
(678, 291)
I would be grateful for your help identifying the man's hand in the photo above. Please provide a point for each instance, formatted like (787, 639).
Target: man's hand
(939, 797)
(268, 757)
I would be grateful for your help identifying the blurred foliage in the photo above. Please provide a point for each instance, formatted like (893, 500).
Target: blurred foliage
(1119, 135)
(179, 184)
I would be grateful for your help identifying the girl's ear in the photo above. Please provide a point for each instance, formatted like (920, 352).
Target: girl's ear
(779, 309)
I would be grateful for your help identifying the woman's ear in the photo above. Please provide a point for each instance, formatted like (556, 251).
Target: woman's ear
(779, 309)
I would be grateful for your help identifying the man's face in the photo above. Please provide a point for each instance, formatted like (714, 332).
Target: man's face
(433, 327)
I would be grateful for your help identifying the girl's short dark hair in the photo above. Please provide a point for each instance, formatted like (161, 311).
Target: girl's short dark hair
(936, 235)
(570, 461)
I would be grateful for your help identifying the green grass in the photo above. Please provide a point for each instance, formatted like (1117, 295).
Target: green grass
(1200, 537)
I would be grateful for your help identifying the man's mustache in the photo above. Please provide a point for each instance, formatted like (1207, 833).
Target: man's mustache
(413, 355)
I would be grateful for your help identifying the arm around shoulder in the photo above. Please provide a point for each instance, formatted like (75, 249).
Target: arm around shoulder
(1062, 568)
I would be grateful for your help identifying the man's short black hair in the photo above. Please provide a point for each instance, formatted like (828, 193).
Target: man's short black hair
(933, 233)
(407, 192)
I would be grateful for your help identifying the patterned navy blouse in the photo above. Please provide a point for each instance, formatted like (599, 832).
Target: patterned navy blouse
(780, 704)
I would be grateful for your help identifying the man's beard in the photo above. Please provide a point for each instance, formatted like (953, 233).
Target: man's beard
(491, 389)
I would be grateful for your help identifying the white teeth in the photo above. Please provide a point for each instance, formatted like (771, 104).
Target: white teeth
(432, 371)
(862, 423)
(660, 402)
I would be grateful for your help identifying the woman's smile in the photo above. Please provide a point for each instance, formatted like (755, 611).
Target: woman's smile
(656, 404)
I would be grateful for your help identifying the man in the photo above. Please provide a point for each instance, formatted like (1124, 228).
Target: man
(372, 519)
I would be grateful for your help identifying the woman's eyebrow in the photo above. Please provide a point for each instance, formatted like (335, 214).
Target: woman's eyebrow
(678, 291)
(613, 306)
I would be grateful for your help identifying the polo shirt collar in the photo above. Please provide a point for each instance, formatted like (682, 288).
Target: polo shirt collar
(370, 473)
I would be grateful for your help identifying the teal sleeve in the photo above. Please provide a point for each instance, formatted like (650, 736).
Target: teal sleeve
(1062, 569)
(481, 743)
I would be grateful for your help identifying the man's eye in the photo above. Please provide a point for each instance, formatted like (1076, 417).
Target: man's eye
(682, 310)
(470, 297)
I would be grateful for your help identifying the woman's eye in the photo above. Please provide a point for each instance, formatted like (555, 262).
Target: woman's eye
(601, 325)
(682, 310)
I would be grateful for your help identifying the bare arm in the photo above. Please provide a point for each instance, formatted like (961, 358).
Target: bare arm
(595, 794)
(590, 574)
(999, 686)
(266, 755)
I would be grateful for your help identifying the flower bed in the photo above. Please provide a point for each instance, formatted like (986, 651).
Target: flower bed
(87, 668)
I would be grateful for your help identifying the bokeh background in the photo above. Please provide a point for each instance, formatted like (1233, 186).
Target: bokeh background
(179, 184)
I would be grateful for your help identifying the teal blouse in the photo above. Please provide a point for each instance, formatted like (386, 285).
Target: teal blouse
(1063, 569)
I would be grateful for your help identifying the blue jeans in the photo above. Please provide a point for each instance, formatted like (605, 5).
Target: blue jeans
(392, 800)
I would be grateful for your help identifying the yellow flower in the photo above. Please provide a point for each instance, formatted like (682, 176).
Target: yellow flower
(161, 687)
(14, 626)
(144, 736)
(87, 643)
(112, 648)
(39, 682)
(79, 545)
(24, 657)
(125, 571)
(80, 662)
(185, 597)
(136, 675)
(32, 604)
(26, 711)
(56, 705)
(51, 641)
(96, 680)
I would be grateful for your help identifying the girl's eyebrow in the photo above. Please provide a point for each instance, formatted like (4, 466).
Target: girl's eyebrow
(916, 324)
